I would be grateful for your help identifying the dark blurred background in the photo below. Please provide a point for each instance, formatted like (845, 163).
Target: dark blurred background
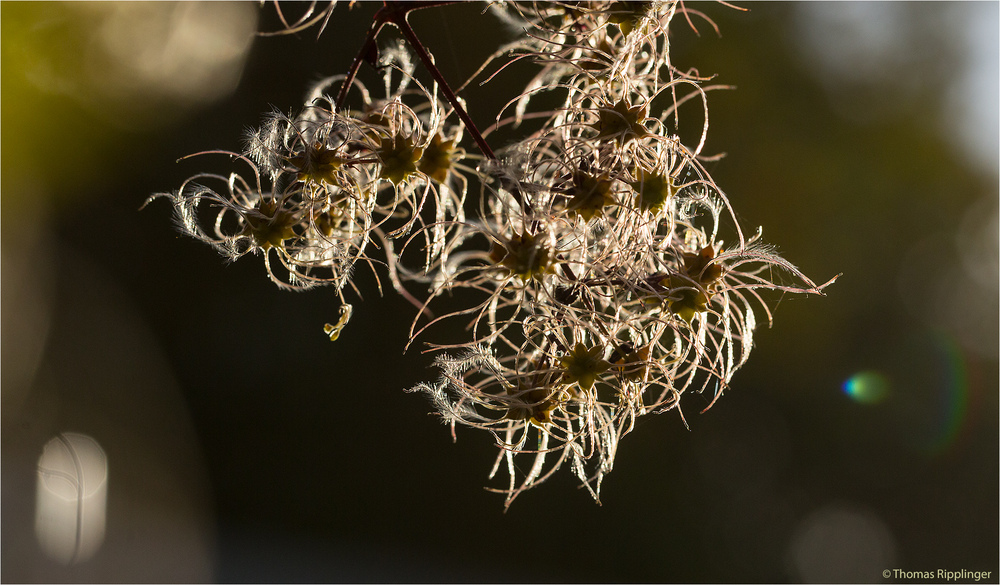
(231, 441)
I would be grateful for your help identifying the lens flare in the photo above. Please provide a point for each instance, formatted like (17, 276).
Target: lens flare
(868, 387)
(954, 392)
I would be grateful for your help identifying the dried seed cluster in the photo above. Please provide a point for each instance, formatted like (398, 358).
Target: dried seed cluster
(603, 287)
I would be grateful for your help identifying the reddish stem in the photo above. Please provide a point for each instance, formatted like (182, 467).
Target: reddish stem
(449, 95)
(377, 23)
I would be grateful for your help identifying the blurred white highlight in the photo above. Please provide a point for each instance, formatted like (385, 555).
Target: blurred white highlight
(71, 498)
(872, 43)
(188, 50)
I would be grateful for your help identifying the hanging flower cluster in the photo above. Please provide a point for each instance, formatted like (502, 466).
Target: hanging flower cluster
(608, 271)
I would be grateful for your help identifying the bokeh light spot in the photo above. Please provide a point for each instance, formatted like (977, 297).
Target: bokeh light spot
(840, 543)
(71, 498)
(868, 387)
